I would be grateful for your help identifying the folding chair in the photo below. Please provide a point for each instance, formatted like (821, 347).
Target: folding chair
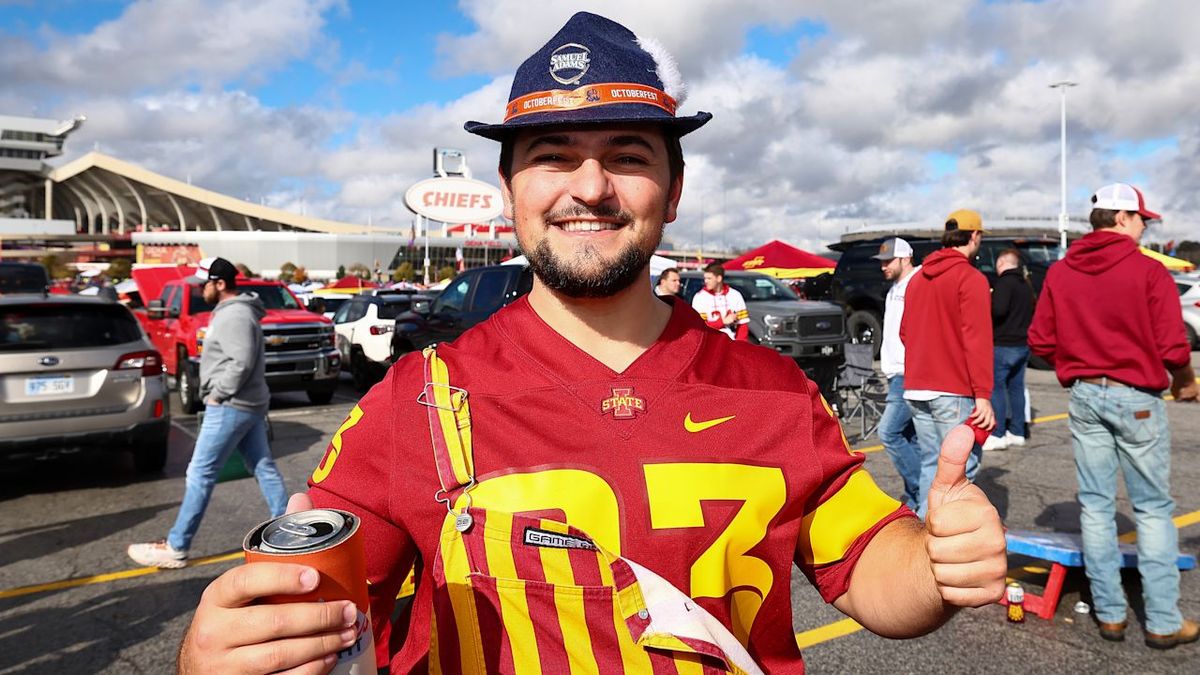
(861, 392)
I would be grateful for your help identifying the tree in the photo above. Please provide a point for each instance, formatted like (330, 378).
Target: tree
(1189, 251)
(287, 271)
(54, 267)
(299, 275)
(245, 270)
(360, 270)
(341, 271)
(446, 272)
(119, 268)
(403, 273)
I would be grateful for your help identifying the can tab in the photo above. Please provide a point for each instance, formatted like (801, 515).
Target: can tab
(298, 529)
(458, 397)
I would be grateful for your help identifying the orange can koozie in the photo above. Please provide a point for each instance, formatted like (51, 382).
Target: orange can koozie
(329, 541)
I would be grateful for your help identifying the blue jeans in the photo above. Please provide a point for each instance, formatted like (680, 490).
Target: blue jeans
(1008, 389)
(1120, 427)
(899, 438)
(224, 429)
(934, 420)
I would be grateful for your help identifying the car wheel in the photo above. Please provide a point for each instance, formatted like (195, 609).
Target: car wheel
(1193, 340)
(865, 326)
(150, 456)
(319, 396)
(358, 371)
(188, 382)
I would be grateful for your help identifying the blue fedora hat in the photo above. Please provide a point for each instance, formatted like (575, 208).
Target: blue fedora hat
(594, 71)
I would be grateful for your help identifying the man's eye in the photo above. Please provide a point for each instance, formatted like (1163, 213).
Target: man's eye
(549, 157)
(632, 160)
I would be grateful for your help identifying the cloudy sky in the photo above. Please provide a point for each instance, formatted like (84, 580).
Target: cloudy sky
(828, 114)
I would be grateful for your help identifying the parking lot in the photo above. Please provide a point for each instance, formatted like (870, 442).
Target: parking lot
(71, 602)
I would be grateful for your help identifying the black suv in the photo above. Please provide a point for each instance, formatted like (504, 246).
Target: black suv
(22, 277)
(809, 331)
(859, 286)
(471, 297)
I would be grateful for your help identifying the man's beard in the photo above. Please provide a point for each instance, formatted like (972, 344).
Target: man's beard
(606, 278)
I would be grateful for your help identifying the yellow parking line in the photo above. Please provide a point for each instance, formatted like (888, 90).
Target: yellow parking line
(830, 631)
(111, 576)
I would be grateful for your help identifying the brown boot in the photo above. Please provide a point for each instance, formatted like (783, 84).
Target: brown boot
(1113, 632)
(1188, 633)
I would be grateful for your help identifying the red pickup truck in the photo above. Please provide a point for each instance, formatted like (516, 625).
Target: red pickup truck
(302, 352)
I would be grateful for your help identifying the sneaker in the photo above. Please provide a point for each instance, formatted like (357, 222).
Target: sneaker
(1189, 632)
(995, 443)
(1013, 441)
(158, 554)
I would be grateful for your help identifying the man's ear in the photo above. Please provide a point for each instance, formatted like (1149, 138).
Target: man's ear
(506, 193)
(673, 195)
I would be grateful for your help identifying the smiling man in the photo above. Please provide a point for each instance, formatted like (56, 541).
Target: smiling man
(600, 489)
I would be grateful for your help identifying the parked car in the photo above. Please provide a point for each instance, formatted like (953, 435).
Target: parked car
(364, 326)
(1189, 297)
(810, 331)
(23, 277)
(302, 352)
(78, 373)
(858, 284)
(469, 298)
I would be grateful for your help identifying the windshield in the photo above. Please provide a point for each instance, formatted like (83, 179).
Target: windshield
(22, 279)
(66, 326)
(272, 297)
(760, 288)
(1040, 253)
(394, 307)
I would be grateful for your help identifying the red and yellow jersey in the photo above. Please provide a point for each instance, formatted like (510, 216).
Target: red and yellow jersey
(713, 307)
(672, 464)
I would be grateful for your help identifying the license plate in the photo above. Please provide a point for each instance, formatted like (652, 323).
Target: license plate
(49, 385)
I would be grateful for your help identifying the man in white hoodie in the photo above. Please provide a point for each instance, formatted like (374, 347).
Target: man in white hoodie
(896, 430)
(233, 383)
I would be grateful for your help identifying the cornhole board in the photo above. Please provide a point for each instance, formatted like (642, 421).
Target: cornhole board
(1063, 550)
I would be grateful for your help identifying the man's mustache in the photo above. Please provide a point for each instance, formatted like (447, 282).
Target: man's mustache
(579, 211)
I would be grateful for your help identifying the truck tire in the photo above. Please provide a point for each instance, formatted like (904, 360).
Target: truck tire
(150, 456)
(320, 396)
(864, 326)
(188, 383)
(360, 371)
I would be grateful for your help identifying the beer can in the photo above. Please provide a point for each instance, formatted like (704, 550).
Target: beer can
(331, 542)
(1015, 595)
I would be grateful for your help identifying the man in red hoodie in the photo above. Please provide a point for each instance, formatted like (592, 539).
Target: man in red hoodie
(1110, 322)
(947, 336)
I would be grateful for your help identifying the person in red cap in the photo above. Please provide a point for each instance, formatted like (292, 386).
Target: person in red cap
(1109, 320)
(558, 512)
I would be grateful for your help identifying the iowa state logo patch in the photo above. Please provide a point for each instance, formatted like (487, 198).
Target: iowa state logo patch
(623, 404)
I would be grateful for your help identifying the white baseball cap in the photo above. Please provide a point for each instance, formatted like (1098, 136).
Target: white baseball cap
(894, 248)
(1123, 197)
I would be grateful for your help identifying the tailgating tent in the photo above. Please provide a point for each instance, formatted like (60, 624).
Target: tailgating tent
(1172, 264)
(351, 284)
(782, 261)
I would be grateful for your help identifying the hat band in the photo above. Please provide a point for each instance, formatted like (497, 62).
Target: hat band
(589, 96)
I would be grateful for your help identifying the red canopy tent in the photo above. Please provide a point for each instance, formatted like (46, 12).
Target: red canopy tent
(352, 284)
(782, 261)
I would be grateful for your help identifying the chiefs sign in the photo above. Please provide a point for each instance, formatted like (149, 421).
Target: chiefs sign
(455, 200)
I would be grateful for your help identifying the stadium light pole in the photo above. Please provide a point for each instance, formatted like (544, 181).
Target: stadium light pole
(1062, 87)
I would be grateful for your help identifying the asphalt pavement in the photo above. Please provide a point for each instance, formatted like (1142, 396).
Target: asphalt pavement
(72, 602)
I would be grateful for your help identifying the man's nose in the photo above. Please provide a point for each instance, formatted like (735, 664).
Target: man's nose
(590, 183)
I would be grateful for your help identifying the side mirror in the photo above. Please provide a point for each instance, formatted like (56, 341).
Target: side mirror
(421, 307)
(155, 310)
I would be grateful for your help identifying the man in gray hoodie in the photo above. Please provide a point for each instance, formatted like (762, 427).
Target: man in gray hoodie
(233, 383)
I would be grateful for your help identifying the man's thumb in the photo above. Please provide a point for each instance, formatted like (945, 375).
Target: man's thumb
(299, 502)
(952, 462)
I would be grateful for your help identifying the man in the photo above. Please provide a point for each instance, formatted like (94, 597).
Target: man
(947, 335)
(1110, 322)
(593, 403)
(721, 306)
(668, 282)
(1012, 310)
(896, 429)
(233, 383)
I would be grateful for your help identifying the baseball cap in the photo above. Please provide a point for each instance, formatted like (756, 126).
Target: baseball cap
(594, 71)
(965, 219)
(894, 248)
(214, 268)
(1123, 197)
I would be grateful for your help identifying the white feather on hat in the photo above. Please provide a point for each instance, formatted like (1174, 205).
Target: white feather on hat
(666, 68)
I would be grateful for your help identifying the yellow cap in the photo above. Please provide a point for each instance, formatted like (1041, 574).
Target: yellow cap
(964, 219)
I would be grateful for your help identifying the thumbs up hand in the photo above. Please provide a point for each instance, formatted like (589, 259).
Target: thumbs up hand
(963, 534)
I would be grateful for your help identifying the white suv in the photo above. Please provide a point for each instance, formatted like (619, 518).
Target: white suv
(1189, 297)
(364, 326)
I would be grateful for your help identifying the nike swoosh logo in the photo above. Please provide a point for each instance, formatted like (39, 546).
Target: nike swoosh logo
(697, 427)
